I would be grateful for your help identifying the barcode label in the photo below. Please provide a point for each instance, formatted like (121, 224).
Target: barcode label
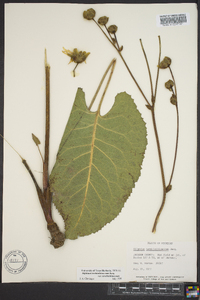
(173, 20)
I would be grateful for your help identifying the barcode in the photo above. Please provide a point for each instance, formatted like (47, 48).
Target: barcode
(173, 20)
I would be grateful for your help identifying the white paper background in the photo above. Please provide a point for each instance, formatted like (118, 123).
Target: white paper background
(29, 29)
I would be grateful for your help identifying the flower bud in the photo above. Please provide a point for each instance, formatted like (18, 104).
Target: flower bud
(173, 99)
(112, 29)
(169, 84)
(103, 20)
(89, 14)
(165, 63)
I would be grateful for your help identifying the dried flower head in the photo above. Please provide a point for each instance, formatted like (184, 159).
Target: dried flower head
(89, 14)
(165, 63)
(173, 99)
(169, 84)
(76, 56)
(103, 20)
(112, 29)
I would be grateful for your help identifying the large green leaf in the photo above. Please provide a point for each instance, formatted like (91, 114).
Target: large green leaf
(98, 162)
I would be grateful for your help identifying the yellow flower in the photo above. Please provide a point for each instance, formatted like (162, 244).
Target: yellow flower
(76, 56)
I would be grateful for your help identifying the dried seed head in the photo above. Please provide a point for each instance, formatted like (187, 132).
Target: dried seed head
(165, 63)
(112, 29)
(89, 14)
(173, 99)
(103, 20)
(76, 56)
(169, 84)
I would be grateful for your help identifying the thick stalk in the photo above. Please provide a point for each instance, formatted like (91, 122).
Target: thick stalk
(47, 127)
(58, 237)
(46, 188)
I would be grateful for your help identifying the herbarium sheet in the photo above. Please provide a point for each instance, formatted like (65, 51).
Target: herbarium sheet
(100, 145)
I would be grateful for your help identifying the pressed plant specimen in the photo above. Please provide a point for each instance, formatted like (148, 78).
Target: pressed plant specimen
(99, 158)
(110, 32)
(98, 162)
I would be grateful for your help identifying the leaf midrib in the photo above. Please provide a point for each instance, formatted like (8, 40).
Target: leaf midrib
(90, 165)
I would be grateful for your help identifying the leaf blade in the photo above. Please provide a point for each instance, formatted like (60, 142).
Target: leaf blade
(98, 163)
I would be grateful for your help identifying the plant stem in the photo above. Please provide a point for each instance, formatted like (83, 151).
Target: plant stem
(107, 32)
(112, 64)
(158, 69)
(150, 78)
(58, 237)
(109, 39)
(154, 123)
(153, 97)
(39, 192)
(152, 108)
(116, 41)
(119, 52)
(107, 84)
(176, 147)
(148, 103)
(46, 191)
(40, 153)
(75, 69)
(177, 130)
(161, 168)
(47, 127)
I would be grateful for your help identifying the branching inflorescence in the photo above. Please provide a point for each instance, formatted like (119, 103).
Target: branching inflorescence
(111, 36)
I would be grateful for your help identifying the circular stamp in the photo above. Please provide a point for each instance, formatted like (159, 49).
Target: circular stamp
(15, 261)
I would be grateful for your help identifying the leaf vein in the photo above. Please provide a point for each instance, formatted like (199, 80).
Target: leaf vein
(83, 127)
(75, 158)
(106, 156)
(75, 176)
(77, 191)
(109, 145)
(96, 192)
(66, 149)
(113, 131)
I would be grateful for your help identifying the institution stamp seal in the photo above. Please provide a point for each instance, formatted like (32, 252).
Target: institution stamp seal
(15, 261)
